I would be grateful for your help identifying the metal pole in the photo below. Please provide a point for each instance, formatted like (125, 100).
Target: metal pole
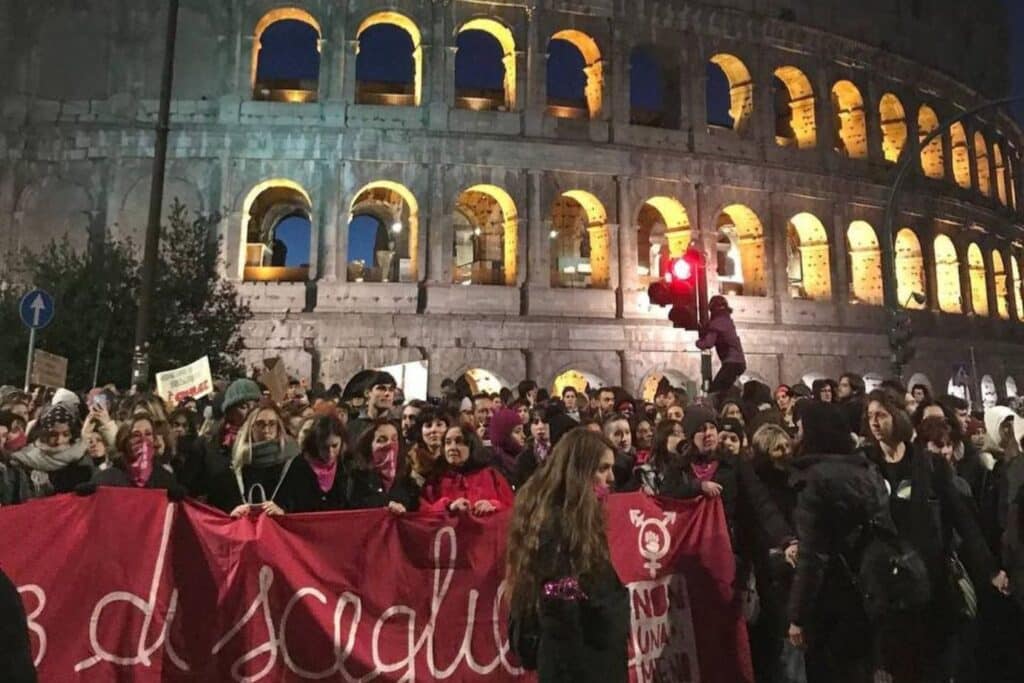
(977, 380)
(31, 353)
(140, 369)
(96, 367)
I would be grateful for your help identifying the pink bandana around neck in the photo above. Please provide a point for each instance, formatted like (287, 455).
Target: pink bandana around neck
(141, 468)
(385, 461)
(325, 473)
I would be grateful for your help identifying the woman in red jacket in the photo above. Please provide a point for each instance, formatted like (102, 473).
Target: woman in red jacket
(468, 483)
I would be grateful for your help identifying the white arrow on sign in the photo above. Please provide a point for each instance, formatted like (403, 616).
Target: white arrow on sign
(38, 306)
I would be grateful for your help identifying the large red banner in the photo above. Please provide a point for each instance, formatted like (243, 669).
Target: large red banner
(123, 585)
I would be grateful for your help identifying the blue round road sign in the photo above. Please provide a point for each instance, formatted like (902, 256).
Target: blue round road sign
(36, 309)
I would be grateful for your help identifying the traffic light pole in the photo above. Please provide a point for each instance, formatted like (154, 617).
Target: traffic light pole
(703, 317)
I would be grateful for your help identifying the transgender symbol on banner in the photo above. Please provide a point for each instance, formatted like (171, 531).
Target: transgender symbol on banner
(654, 538)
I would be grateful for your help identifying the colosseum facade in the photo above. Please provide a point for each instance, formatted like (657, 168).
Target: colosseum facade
(514, 227)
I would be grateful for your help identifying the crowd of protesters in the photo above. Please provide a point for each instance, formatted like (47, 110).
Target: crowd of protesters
(832, 496)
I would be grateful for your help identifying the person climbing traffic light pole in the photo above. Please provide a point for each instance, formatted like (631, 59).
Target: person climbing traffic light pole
(720, 334)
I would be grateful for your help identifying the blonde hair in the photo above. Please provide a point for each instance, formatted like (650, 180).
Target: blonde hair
(241, 451)
(767, 438)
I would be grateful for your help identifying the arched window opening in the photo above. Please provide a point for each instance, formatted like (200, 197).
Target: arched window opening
(795, 124)
(486, 237)
(961, 156)
(580, 380)
(383, 234)
(932, 162)
(286, 57)
(1000, 171)
(675, 378)
(910, 282)
(989, 393)
(865, 261)
(809, 269)
(1018, 286)
(278, 233)
(480, 381)
(981, 159)
(979, 280)
(653, 90)
(663, 231)
(1012, 166)
(730, 93)
(851, 125)
(894, 127)
(1011, 387)
(947, 275)
(741, 269)
(580, 241)
(1001, 285)
(485, 67)
(389, 61)
(575, 76)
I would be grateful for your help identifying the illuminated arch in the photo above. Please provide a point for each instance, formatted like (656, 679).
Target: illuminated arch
(989, 393)
(894, 126)
(981, 160)
(741, 89)
(979, 280)
(743, 228)
(1001, 286)
(579, 380)
(1011, 387)
(580, 242)
(1000, 171)
(810, 271)
(649, 384)
(266, 205)
(506, 41)
(481, 381)
(910, 279)
(932, 161)
(851, 125)
(865, 264)
(485, 248)
(366, 94)
(593, 70)
(1018, 286)
(301, 91)
(947, 275)
(395, 250)
(961, 155)
(663, 229)
(795, 124)
(1012, 165)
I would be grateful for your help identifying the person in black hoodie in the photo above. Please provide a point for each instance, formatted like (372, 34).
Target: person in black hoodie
(15, 648)
(569, 613)
(850, 393)
(341, 479)
(538, 447)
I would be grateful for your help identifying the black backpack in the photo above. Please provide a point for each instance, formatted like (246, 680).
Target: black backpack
(891, 574)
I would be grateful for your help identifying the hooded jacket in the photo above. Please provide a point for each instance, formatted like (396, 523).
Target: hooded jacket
(721, 334)
(503, 446)
(473, 480)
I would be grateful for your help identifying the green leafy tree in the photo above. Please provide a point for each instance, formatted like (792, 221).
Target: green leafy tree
(195, 312)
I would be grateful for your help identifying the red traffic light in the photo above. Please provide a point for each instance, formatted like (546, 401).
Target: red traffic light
(681, 269)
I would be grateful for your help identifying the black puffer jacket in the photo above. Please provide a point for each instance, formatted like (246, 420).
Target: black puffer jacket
(15, 650)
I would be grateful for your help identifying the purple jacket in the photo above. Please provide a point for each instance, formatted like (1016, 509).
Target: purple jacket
(721, 334)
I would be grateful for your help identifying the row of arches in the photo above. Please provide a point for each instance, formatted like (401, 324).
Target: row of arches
(389, 71)
(384, 232)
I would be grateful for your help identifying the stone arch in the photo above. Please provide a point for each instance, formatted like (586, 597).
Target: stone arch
(578, 378)
(654, 95)
(649, 384)
(795, 124)
(53, 210)
(741, 90)
(910, 278)
(979, 280)
(1012, 165)
(947, 275)
(809, 268)
(865, 259)
(989, 392)
(920, 378)
(932, 161)
(743, 228)
(961, 155)
(482, 381)
(894, 126)
(1011, 387)
(266, 207)
(1001, 287)
(486, 237)
(663, 230)
(1000, 171)
(981, 161)
(593, 77)
(371, 42)
(851, 124)
(1018, 286)
(394, 244)
(580, 242)
(482, 96)
(134, 210)
(290, 85)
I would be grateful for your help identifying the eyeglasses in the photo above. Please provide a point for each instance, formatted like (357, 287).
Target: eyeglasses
(265, 424)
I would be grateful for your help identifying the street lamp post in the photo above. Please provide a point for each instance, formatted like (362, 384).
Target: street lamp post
(908, 158)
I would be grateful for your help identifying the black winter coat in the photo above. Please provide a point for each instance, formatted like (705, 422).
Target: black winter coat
(160, 478)
(293, 495)
(526, 464)
(15, 649)
(353, 489)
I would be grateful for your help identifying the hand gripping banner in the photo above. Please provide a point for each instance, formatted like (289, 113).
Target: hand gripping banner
(123, 585)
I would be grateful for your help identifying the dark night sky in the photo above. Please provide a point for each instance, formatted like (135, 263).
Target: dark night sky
(1016, 11)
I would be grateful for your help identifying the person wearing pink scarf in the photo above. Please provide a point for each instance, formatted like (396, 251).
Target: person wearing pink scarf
(337, 478)
(136, 462)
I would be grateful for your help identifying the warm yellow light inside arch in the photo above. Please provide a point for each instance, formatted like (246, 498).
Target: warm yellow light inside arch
(750, 238)
(947, 275)
(1000, 171)
(852, 126)
(741, 89)
(413, 218)
(507, 41)
(510, 218)
(894, 126)
(599, 236)
(815, 264)
(865, 264)
(577, 379)
(596, 215)
(910, 278)
(250, 199)
(979, 280)
(677, 223)
(409, 26)
(1017, 285)
(271, 18)
(961, 155)
(999, 280)
(932, 161)
(801, 104)
(981, 161)
(593, 67)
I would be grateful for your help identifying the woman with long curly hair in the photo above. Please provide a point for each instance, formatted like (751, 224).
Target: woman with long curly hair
(569, 613)
(424, 462)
